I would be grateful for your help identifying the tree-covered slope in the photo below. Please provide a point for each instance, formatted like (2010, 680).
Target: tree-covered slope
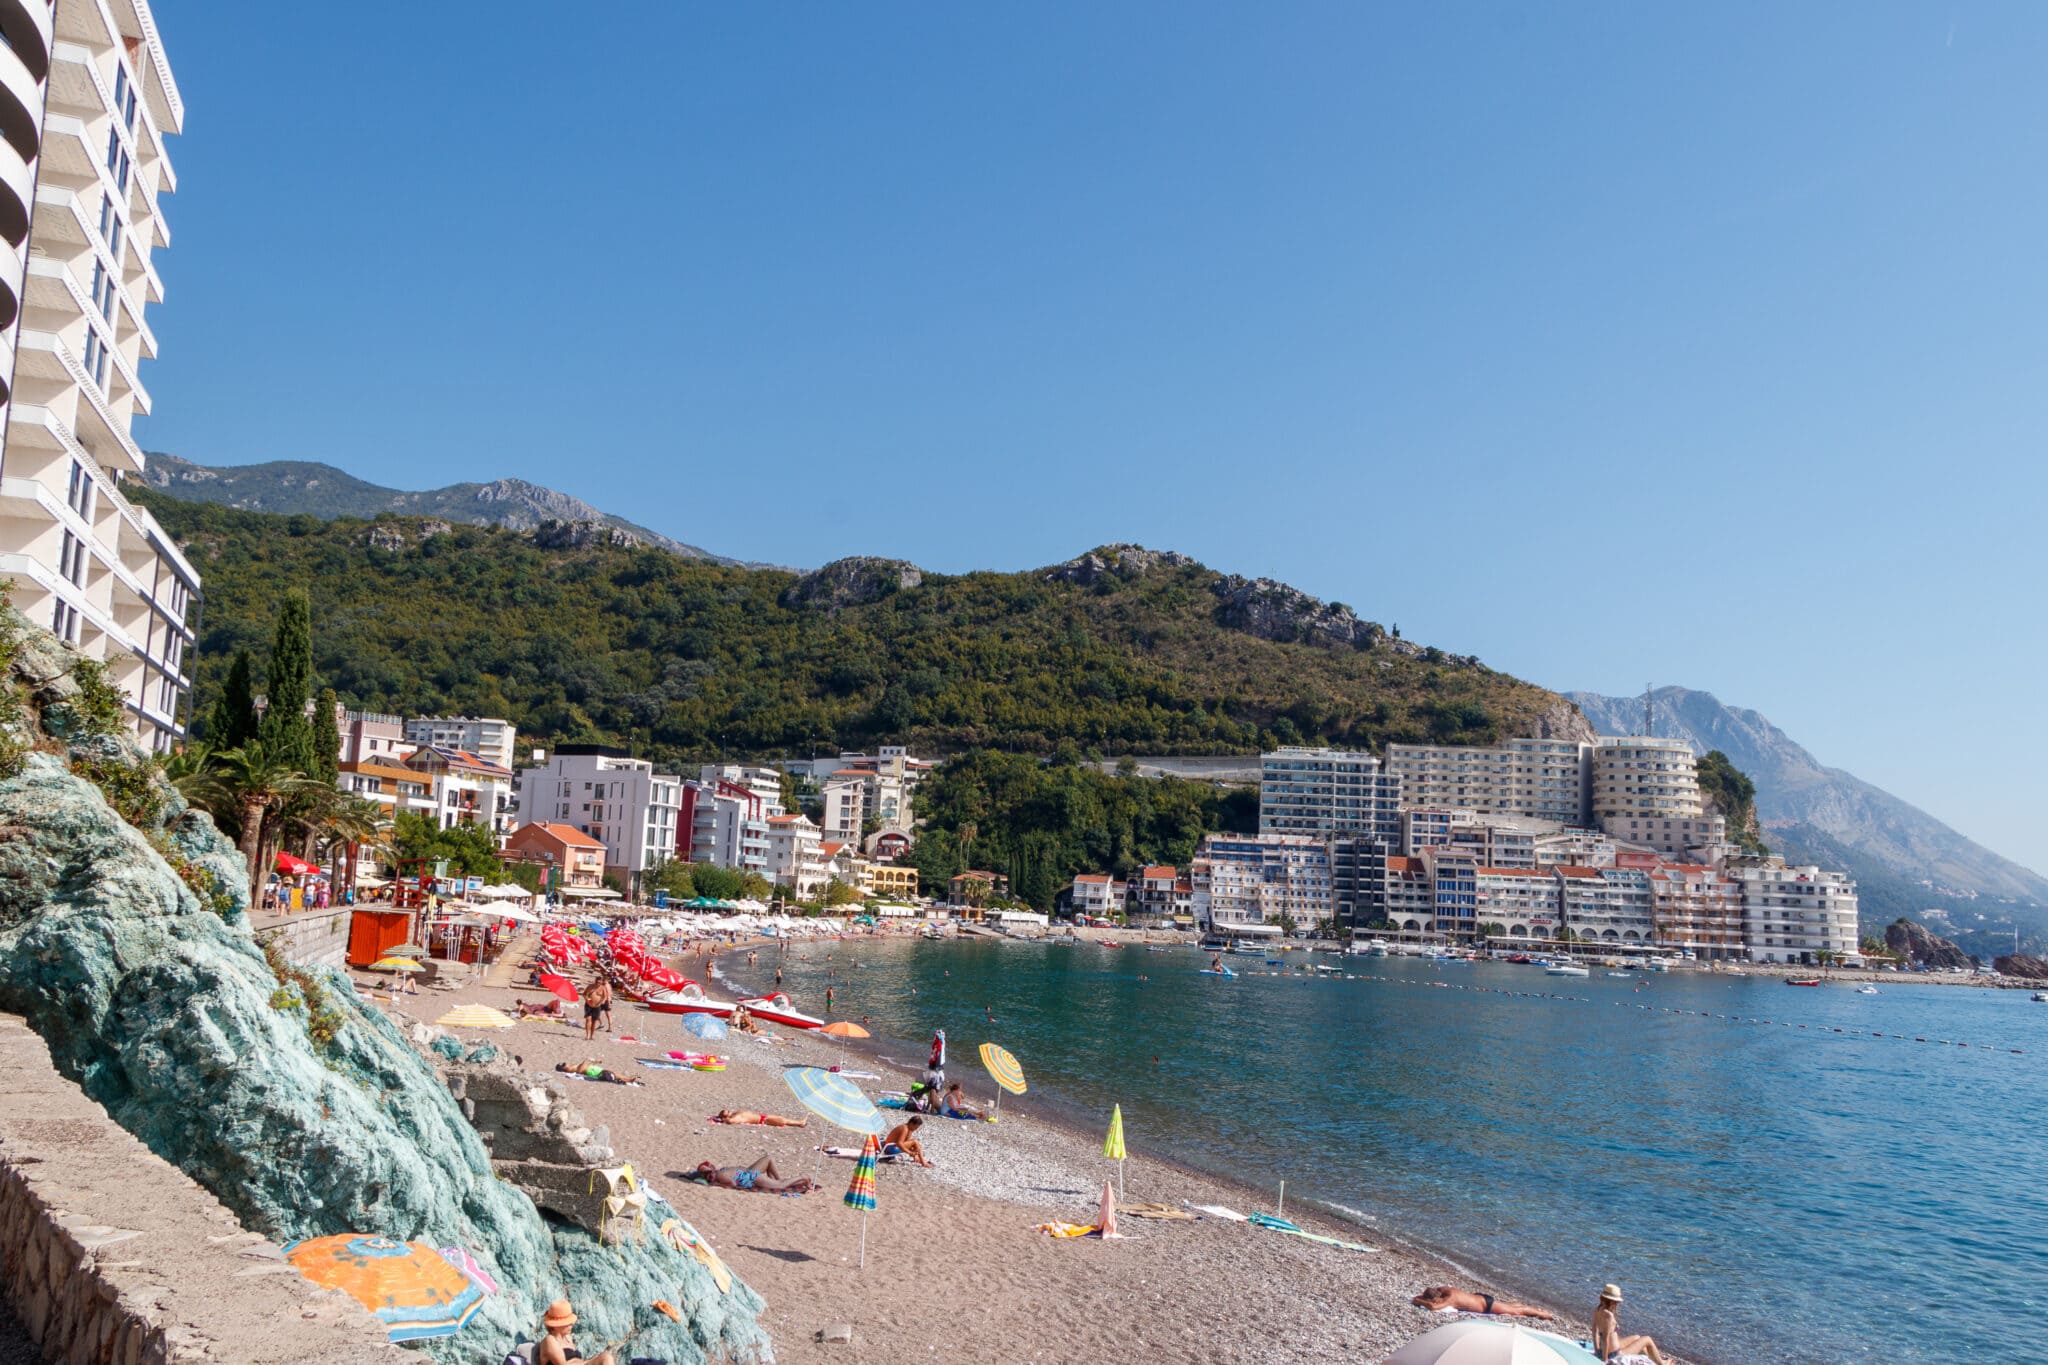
(575, 638)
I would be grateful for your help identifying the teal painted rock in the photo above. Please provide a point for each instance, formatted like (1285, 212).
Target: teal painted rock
(168, 1014)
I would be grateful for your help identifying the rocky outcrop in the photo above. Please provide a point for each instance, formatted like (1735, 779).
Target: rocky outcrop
(578, 535)
(1272, 610)
(1563, 720)
(1914, 943)
(1116, 561)
(2024, 966)
(300, 1107)
(851, 583)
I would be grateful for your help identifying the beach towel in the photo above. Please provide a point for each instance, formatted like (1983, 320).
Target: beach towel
(1065, 1229)
(662, 1064)
(853, 1154)
(1269, 1222)
(1218, 1211)
(1156, 1211)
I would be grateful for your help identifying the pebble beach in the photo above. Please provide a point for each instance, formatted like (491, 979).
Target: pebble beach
(954, 1269)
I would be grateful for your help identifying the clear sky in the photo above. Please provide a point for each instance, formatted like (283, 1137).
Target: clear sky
(1615, 343)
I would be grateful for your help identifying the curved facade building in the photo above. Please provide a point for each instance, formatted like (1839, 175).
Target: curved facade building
(86, 103)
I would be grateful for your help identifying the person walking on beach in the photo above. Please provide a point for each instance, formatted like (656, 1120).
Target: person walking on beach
(555, 1346)
(593, 1006)
(1609, 1343)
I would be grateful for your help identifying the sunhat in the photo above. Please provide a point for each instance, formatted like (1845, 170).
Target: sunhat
(559, 1315)
(1612, 1292)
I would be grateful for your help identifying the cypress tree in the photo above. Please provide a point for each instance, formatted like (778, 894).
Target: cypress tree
(289, 683)
(326, 738)
(232, 722)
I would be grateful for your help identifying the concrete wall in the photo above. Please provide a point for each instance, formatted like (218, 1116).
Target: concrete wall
(311, 938)
(109, 1255)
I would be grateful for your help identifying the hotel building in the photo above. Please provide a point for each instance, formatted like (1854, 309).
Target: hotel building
(490, 740)
(1320, 792)
(1794, 914)
(86, 101)
(1257, 878)
(1539, 779)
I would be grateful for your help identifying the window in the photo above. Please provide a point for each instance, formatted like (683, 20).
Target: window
(80, 492)
(117, 159)
(96, 358)
(65, 623)
(71, 562)
(124, 96)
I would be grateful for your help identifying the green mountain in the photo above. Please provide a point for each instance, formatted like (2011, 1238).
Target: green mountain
(578, 638)
(321, 490)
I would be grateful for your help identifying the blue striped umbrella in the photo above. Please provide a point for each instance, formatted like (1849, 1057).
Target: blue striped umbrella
(706, 1026)
(834, 1099)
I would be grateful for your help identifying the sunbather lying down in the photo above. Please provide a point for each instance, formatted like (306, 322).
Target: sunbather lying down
(591, 1069)
(761, 1176)
(745, 1117)
(1442, 1298)
(551, 1010)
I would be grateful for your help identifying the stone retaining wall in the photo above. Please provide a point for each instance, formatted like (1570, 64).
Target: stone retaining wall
(112, 1256)
(311, 938)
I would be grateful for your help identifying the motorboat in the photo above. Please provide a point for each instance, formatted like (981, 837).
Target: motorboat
(1866, 990)
(1657, 964)
(1802, 981)
(1566, 969)
(2040, 997)
(776, 1009)
(689, 1000)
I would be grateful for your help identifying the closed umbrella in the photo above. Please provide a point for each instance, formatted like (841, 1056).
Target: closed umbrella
(706, 1026)
(861, 1193)
(834, 1099)
(409, 1286)
(1473, 1341)
(476, 1016)
(1007, 1071)
(1113, 1145)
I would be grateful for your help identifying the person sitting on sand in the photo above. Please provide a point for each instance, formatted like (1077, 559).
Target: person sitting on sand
(742, 1117)
(743, 1020)
(761, 1176)
(1608, 1342)
(955, 1104)
(1443, 1297)
(555, 1346)
(551, 1010)
(902, 1139)
(591, 1069)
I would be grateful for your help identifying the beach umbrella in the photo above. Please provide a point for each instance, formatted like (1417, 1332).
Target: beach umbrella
(395, 963)
(1113, 1145)
(294, 867)
(664, 977)
(464, 1260)
(410, 1287)
(1474, 1341)
(834, 1099)
(1105, 1213)
(861, 1193)
(706, 1026)
(843, 1029)
(1007, 1071)
(476, 1016)
(406, 950)
(561, 986)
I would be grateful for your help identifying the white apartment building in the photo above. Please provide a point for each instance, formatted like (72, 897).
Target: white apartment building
(1521, 900)
(1637, 775)
(795, 859)
(1574, 848)
(1793, 914)
(373, 737)
(466, 790)
(1320, 792)
(1541, 779)
(1607, 904)
(1257, 878)
(722, 824)
(1698, 909)
(489, 740)
(764, 783)
(1409, 898)
(621, 802)
(846, 803)
(1098, 893)
(1673, 836)
(397, 788)
(86, 101)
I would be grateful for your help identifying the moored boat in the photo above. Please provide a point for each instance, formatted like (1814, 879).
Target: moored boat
(1566, 969)
(1802, 981)
(689, 1000)
(776, 1009)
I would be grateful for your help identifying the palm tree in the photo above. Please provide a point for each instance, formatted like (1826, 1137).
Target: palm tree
(194, 769)
(354, 823)
(260, 783)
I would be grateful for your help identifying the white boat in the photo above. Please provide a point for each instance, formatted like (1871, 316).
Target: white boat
(1657, 964)
(1566, 969)
(1866, 990)
(689, 1000)
(2040, 997)
(776, 1009)
(1622, 976)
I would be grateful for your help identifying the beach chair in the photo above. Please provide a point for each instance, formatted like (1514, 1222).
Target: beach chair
(625, 1205)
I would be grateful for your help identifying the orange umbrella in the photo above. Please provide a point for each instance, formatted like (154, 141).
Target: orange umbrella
(844, 1030)
(411, 1287)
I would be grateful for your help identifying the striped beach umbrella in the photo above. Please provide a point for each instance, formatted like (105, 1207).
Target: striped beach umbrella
(1113, 1146)
(834, 1099)
(476, 1016)
(706, 1026)
(1007, 1071)
(861, 1193)
(396, 964)
(1473, 1341)
(411, 1288)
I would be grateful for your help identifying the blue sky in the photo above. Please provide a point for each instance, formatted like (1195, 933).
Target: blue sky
(1613, 343)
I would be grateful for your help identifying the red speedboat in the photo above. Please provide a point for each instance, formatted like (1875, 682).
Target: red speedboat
(776, 1009)
(1802, 981)
(689, 1000)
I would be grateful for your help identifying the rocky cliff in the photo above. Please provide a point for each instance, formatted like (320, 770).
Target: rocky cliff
(123, 941)
(2024, 966)
(1914, 943)
(851, 582)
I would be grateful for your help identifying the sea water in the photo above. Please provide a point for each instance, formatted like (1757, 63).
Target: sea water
(1772, 1190)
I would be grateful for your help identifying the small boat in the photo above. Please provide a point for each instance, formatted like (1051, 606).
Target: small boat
(1802, 981)
(689, 1000)
(1621, 976)
(1154, 948)
(1866, 990)
(1219, 971)
(776, 1009)
(1566, 969)
(2040, 997)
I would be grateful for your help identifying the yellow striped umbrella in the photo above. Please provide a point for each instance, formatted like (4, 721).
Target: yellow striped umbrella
(476, 1016)
(1004, 1068)
(396, 964)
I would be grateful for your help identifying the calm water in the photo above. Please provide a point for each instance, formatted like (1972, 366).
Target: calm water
(1761, 1192)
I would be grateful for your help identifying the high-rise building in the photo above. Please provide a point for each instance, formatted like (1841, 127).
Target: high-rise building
(1540, 779)
(1320, 792)
(86, 101)
(1257, 878)
(622, 802)
(490, 740)
(1795, 914)
(723, 824)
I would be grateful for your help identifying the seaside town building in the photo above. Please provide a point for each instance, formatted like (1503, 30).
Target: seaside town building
(1540, 779)
(888, 881)
(369, 736)
(1698, 909)
(1240, 879)
(1521, 901)
(490, 740)
(1606, 904)
(1795, 914)
(764, 783)
(722, 824)
(86, 101)
(976, 887)
(466, 790)
(577, 859)
(621, 802)
(399, 789)
(795, 859)
(888, 845)
(1098, 893)
(1320, 792)
(1408, 900)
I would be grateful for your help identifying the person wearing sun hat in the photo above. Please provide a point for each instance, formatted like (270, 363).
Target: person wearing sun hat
(1609, 1343)
(555, 1347)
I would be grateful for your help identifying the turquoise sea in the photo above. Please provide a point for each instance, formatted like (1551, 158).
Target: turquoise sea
(1776, 1190)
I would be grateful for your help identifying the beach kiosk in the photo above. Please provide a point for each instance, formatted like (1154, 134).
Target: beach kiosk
(373, 931)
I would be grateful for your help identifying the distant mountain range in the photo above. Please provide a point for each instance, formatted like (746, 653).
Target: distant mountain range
(1815, 813)
(321, 490)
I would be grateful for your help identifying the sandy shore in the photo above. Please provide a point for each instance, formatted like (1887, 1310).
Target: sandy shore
(954, 1270)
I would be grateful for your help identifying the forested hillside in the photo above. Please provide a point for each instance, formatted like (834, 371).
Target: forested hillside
(579, 639)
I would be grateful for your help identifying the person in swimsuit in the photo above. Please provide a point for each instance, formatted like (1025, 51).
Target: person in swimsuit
(902, 1141)
(1608, 1341)
(955, 1104)
(590, 1068)
(761, 1176)
(748, 1116)
(551, 1010)
(1443, 1296)
(555, 1346)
